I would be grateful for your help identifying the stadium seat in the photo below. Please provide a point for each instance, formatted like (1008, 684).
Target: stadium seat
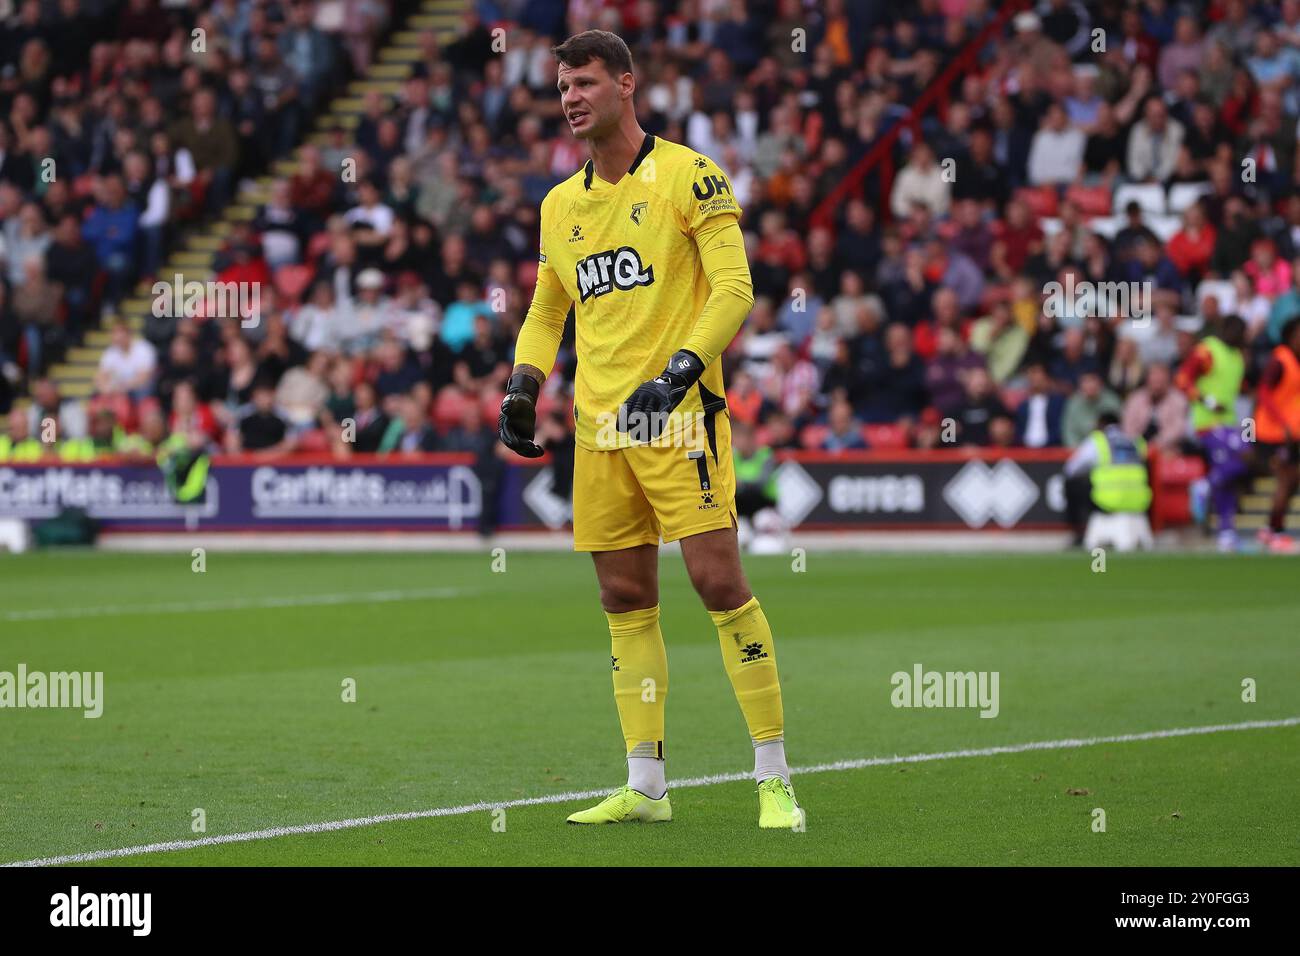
(448, 407)
(291, 281)
(1171, 480)
(313, 441)
(1149, 196)
(812, 436)
(1221, 289)
(1042, 200)
(119, 404)
(1184, 195)
(1164, 226)
(888, 437)
(526, 274)
(1012, 397)
(317, 245)
(490, 406)
(149, 405)
(1107, 226)
(1091, 200)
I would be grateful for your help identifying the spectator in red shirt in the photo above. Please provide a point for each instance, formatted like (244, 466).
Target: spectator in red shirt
(1191, 246)
(1017, 239)
(311, 190)
(191, 417)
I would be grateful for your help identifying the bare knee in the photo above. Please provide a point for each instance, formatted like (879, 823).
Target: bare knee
(620, 593)
(721, 589)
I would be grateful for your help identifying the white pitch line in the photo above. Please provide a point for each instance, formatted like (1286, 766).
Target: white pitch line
(231, 604)
(858, 764)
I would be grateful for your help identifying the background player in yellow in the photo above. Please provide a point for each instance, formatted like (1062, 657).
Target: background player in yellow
(644, 243)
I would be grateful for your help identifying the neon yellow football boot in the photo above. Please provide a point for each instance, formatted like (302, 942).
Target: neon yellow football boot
(777, 807)
(626, 805)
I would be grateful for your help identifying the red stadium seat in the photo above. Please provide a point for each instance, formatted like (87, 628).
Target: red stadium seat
(149, 405)
(490, 406)
(317, 246)
(1171, 477)
(119, 404)
(1091, 200)
(526, 274)
(813, 435)
(888, 437)
(1040, 199)
(1012, 397)
(314, 441)
(448, 407)
(291, 281)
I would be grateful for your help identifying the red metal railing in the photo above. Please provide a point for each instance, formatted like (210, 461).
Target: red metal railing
(882, 154)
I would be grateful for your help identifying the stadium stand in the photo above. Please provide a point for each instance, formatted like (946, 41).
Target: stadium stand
(914, 179)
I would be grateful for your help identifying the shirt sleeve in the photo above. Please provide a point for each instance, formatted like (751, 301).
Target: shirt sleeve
(1198, 363)
(539, 338)
(710, 195)
(731, 292)
(1083, 459)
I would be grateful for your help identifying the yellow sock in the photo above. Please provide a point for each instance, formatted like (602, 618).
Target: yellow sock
(640, 666)
(749, 655)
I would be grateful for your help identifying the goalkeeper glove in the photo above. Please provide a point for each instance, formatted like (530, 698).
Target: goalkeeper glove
(654, 400)
(517, 423)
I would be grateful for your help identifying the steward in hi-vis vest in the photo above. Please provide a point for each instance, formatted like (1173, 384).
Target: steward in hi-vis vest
(1119, 478)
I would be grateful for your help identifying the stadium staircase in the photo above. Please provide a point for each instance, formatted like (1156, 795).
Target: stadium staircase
(935, 97)
(1253, 508)
(195, 253)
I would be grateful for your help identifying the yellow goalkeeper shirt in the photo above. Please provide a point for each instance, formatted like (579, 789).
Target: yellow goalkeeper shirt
(651, 264)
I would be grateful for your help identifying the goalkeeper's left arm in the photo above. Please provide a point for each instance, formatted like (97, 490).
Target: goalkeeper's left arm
(731, 295)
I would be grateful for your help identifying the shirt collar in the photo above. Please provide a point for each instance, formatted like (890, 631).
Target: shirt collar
(647, 145)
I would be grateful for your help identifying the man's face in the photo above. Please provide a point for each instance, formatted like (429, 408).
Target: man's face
(591, 98)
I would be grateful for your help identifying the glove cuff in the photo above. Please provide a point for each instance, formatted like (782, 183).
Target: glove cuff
(685, 365)
(525, 383)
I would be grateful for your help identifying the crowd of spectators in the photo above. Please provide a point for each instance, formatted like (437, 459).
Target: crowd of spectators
(913, 316)
(123, 122)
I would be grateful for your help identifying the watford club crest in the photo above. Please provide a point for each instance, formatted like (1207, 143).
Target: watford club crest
(638, 212)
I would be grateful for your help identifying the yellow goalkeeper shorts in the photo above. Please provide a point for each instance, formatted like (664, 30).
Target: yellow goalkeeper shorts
(626, 497)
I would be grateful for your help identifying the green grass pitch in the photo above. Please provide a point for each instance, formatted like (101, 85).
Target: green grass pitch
(223, 691)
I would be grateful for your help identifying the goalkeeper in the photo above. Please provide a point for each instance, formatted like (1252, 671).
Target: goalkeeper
(644, 243)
